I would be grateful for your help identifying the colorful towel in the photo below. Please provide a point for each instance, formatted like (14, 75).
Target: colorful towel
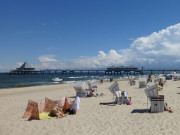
(32, 110)
(43, 116)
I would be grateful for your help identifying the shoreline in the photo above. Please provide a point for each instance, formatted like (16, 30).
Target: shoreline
(97, 81)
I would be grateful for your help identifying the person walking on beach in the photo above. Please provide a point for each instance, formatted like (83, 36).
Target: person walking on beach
(101, 81)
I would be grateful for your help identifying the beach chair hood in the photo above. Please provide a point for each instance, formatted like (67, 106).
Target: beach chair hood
(80, 87)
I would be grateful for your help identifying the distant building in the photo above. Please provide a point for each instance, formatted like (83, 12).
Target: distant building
(24, 68)
(122, 68)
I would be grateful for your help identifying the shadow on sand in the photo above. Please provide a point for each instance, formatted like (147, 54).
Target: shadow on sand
(108, 104)
(72, 97)
(140, 111)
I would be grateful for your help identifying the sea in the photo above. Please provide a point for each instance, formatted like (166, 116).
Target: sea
(15, 81)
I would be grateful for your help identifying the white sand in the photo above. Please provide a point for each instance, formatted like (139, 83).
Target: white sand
(92, 118)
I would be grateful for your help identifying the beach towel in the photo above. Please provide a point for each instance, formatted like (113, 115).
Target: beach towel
(67, 104)
(43, 116)
(49, 104)
(76, 104)
(32, 110)
(125, 94)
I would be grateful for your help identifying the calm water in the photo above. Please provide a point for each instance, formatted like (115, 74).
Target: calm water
(12, 81)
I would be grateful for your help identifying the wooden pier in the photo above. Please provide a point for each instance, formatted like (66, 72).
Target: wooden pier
(130, 70)
(94, 71)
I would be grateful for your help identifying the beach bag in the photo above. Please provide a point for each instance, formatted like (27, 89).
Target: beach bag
(129, 103)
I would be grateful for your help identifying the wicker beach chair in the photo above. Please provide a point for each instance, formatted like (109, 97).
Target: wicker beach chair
(142, 82)
(157, 101)
(120, 96)
(81, 89)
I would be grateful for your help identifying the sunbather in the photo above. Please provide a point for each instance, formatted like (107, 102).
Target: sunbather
(166, 108)
(56, 112)
(91, 94)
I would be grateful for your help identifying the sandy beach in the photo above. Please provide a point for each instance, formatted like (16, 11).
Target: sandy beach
(92, 118)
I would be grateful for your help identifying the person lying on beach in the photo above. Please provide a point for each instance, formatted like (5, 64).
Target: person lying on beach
(75, 107)
(166, 108)
(56, 112)
(91, 94)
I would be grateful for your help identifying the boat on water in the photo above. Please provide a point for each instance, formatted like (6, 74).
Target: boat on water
(57, 79)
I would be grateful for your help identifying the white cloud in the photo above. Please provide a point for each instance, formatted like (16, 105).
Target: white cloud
(48, 62)
(47, 58)
(160, 47)
(177, 61)
(157, 49)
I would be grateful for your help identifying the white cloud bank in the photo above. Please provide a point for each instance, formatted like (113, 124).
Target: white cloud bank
(160, 49)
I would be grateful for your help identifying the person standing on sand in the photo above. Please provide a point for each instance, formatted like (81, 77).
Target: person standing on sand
(101, 81)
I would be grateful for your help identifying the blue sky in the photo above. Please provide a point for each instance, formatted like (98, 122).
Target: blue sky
(89, 33)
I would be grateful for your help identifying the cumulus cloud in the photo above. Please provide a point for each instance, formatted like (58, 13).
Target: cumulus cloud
(48, 62)
(101, 60)
(160, 48)
(47, 58)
